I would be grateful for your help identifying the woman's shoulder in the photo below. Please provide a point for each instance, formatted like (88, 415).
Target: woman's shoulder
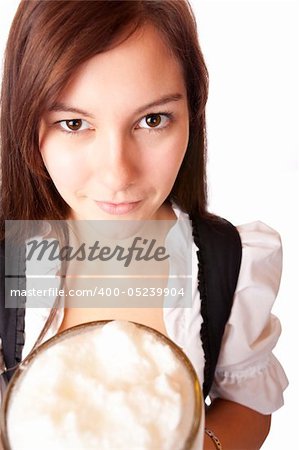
(255, 240)
(259, 235)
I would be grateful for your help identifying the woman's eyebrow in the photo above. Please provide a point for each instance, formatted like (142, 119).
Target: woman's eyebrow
(63, 107)
(159, 102)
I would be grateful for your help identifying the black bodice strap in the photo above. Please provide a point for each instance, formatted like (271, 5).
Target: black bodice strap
(219, 258)
(12, 319)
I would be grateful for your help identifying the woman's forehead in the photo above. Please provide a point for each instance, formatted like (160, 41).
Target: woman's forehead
(135, 72)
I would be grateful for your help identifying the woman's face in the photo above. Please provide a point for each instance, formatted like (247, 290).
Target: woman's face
(115, 139)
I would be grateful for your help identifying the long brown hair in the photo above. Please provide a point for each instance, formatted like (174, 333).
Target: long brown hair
(48, 41)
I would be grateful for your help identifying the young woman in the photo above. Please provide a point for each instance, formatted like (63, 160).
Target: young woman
(103, 117)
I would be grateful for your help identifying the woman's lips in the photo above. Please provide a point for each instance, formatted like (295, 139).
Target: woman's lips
(117, 209)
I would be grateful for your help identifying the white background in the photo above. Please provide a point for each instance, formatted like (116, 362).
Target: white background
(252, 53)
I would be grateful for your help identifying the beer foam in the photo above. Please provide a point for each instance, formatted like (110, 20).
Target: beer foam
(111, 387)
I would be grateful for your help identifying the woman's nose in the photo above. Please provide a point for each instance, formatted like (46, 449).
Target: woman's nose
(115, 161)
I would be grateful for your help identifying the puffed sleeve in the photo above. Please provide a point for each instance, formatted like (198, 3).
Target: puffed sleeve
(247, 372)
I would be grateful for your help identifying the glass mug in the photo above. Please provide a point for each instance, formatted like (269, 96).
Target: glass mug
(193, 412)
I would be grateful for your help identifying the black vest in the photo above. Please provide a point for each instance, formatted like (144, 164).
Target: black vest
(219, 258)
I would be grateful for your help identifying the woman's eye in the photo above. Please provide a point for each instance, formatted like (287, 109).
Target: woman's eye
(74, 125)
(154, 121)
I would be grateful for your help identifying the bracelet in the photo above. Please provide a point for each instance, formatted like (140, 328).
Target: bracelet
(214, 439)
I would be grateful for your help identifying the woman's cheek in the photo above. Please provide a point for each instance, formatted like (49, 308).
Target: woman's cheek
(66, 168)
(175, 153)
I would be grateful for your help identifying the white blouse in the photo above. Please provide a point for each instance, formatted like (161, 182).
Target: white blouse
(247, 372)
